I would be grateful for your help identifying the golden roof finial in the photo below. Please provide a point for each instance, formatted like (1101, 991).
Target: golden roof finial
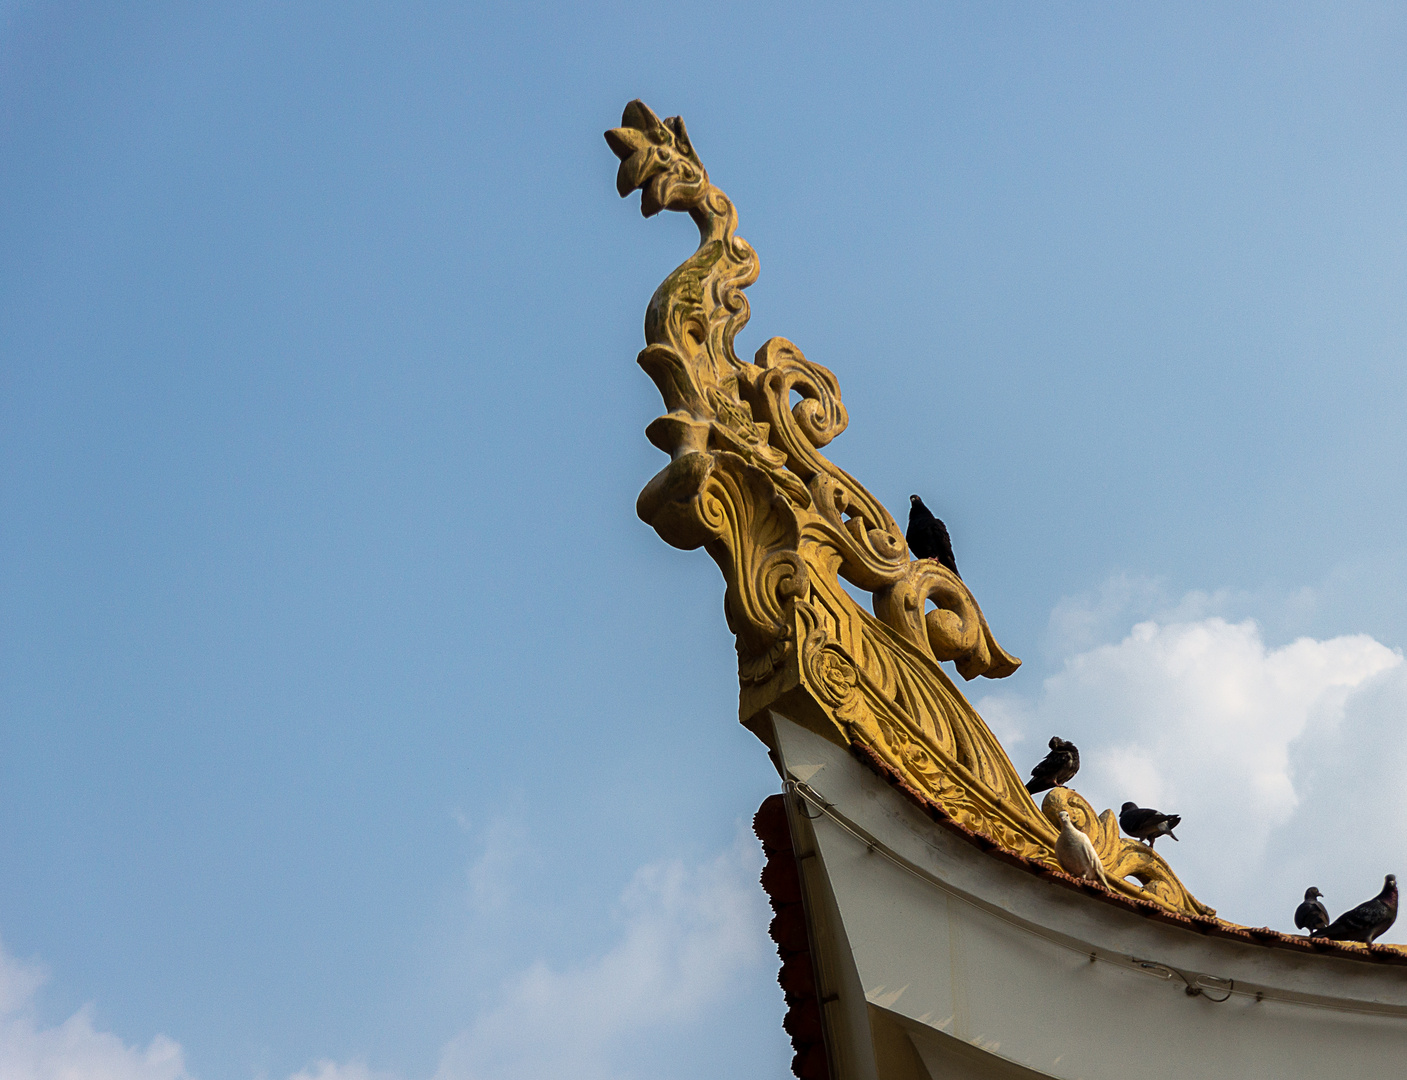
(747, 482)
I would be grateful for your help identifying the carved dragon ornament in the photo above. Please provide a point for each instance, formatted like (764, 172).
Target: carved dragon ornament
(747, 482)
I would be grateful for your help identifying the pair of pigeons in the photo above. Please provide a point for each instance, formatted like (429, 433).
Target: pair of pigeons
(1060, 766)
(1368, 921)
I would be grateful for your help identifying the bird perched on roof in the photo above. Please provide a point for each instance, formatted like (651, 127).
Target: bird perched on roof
(928, 536)
(1312, 915)
(1147, 824)
(1368, 920)
(1075, 853)
(1056, 768)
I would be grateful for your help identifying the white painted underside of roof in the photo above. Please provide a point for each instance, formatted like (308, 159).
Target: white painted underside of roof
(942, 962)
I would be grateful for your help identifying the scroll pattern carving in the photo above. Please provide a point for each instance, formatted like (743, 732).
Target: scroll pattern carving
(1122, 858)
(747, 482)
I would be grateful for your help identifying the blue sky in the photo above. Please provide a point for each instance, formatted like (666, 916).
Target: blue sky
(350, 721)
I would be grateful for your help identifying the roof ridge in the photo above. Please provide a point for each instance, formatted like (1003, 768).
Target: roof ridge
(1206, 924)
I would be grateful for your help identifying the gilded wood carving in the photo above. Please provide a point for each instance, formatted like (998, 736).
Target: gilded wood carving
(748, 483)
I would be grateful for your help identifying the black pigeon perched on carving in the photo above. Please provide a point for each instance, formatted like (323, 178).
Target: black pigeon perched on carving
(1147, 824)
(1056, 768)
(1312, 915)
(1368, 920)
(928, 536)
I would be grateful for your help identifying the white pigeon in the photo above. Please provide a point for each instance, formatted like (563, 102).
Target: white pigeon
(1076, 853)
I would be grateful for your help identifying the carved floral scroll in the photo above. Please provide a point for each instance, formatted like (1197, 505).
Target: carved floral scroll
(747, 482)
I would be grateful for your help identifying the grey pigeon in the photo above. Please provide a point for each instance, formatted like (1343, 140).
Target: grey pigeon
(1312, 915)
(1075, 853)
(1146, 824)
(1056, 768)
(1368, 920)
(928, 536)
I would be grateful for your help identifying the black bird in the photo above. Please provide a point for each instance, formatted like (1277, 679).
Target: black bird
(1368, 920)
(1147, 824)
(928, 536)
(1312, 915)
(1056, 768)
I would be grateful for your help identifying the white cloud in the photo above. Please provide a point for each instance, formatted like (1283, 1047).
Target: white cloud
(1285, 762)
(18, 983)
(491, 874)
(73, 1050)
(1081, 622)
(690, 934)
(692, 937)
(331, 1070)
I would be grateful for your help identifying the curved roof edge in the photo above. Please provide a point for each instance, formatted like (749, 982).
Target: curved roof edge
(1210, 925)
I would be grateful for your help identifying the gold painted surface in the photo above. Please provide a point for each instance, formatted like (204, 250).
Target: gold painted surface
(747, 482)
